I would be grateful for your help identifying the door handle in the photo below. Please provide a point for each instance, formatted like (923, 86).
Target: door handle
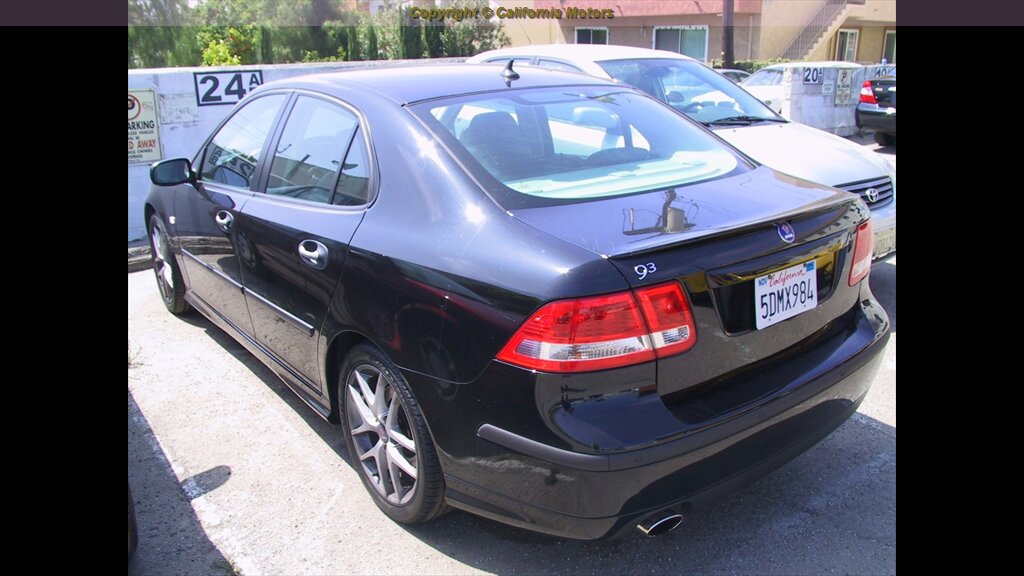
(313, 253)
(225, 220)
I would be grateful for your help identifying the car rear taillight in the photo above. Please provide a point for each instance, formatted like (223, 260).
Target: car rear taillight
(867, 93)
(863, 248)
(602, 332)
(668, 318)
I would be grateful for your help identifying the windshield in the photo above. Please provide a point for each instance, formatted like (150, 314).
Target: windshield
(566, 144)
(693, 89)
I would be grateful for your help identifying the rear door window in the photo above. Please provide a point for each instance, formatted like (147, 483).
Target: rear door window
(764, 78)
(313, 153)
(556, 65)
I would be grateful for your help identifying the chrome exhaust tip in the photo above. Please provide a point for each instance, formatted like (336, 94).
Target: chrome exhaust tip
(658, 524)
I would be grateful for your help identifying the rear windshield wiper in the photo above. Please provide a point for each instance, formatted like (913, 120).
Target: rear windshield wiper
(742, 120)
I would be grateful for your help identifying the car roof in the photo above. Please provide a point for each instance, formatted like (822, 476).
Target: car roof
(819, 64)
(414, 83)
(582, 52)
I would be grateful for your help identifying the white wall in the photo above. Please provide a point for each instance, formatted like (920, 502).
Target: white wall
(184, 124)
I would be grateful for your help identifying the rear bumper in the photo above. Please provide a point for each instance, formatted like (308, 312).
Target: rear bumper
(571, 493)
(872, 117)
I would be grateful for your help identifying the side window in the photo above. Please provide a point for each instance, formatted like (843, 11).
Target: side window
(354, 183)
(232, 155)
(516, 62)
(309, 155)
(556, 65)
(764, 78)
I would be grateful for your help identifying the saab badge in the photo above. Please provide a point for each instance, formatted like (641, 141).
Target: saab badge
(786, 232)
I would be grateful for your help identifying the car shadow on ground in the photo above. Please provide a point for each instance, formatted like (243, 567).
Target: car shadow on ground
(833, 509)
(330, 433)
(171, 539)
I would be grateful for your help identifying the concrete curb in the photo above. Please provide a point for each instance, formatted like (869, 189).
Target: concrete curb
(138, 259)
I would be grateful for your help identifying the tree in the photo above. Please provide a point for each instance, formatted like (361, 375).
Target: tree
(433, 39)
(193, 32)
(471, 37)
(371, 41)
(157, 36)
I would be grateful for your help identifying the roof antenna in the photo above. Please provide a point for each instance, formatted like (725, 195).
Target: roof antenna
(509, 74)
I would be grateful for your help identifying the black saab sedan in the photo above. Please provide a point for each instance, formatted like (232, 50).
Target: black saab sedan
(540, 297)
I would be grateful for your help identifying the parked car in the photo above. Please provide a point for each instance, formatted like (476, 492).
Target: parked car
(766, 85)
(736, 76)
(739, 118)
(877, 109)
(541, 297)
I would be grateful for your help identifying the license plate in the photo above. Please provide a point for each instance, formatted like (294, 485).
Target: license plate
(885, 242)
(785, 293)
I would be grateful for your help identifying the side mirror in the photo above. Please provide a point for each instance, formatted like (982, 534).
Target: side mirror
(171, 172)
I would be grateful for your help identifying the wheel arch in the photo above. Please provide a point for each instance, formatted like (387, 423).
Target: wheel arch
(337, 351)
(147, 212)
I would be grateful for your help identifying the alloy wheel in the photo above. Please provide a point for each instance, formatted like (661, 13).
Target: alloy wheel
(161, 263)
(382, 434)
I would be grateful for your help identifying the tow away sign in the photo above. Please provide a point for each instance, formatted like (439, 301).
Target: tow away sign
(143, 127)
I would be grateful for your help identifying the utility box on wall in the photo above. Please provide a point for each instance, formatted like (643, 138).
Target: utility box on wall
(823, 95)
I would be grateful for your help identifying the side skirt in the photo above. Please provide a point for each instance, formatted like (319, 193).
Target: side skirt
(298, 384)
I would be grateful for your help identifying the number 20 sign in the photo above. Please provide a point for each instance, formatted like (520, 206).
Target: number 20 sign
(225, 88)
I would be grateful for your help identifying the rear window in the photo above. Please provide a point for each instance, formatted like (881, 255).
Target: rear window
(568, 144)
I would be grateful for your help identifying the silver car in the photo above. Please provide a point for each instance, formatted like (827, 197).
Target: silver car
(736, 116)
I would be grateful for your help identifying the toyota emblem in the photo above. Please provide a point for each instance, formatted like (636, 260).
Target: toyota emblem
(872, 194)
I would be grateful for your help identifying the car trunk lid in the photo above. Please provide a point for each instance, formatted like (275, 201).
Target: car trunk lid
(884, 90)
(717, 238)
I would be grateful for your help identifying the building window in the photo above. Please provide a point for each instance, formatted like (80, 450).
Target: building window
(591, 35)
(846, 45)
(691, 41)
(889, 52)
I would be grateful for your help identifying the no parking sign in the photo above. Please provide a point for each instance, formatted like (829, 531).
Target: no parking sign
(143, 127)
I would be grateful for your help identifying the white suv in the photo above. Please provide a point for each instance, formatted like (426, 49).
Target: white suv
(735, 115)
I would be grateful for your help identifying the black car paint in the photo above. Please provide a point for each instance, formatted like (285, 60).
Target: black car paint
(880, 117)
(439, 287)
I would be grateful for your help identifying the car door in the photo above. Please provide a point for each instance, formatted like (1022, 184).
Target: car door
(206, 219)
(300, 226)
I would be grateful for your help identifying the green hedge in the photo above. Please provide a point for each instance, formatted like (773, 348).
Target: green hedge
(750, 65)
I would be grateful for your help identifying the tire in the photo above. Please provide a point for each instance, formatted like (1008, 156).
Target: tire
(884, 139)
(387, 438)
(165, 267)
